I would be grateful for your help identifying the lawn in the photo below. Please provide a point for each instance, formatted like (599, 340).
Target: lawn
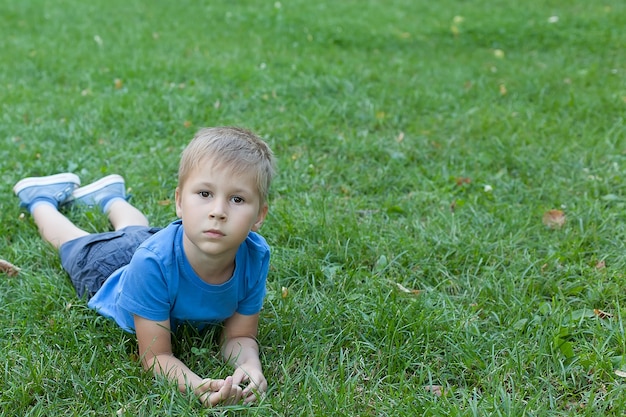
(450, 207)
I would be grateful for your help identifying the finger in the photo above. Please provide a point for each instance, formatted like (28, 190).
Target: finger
(209, 384)
(253, 396)
(240, 376)
(253, 392)
(228, 390)
(230, 394)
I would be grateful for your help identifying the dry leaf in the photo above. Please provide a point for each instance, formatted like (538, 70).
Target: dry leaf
(554, 219)
(620, 373)
(601, 265)
(118, 83)
(463, 180)
(166, 202)
(8, 268)
(187, 124)
(602, 314)
(406, 290)
(435, 389)
(284, 292)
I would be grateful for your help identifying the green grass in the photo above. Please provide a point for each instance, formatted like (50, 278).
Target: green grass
(376, 111)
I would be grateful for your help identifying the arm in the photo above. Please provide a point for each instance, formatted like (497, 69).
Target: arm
(155, 351)
(241, 350)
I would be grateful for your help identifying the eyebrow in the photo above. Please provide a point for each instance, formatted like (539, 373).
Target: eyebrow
(231, 191)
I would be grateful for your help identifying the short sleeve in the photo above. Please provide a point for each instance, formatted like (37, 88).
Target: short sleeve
(253, 286)
(145, 290)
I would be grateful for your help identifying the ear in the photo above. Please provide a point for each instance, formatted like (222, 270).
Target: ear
(179, 208)
(260, 218)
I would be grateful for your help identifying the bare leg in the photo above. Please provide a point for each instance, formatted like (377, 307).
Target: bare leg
(122, 214)
(54, 227)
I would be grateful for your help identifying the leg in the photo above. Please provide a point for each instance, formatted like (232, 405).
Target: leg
(122, 214)
(42, 196)
(53, 226)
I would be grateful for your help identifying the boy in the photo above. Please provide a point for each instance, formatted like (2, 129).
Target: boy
(209, 266)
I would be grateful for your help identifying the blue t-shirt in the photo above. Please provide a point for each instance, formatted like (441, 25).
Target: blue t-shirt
(159, 284)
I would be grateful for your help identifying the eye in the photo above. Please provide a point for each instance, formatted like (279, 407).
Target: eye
(204, 194)
(238, 200)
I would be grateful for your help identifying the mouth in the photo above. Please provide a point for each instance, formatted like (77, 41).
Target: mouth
(214, 233)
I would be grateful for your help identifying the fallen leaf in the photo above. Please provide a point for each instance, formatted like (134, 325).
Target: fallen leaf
(8, 268)
(284, 292)
(435, 389)
(554, 219)
(166, 202)
(602, 314)
(463, 180)
(620, 373)
(187, 124)
(406, 290)
(118, 83)
(601, 265)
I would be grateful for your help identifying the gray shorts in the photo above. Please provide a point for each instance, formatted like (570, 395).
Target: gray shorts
(91, 259)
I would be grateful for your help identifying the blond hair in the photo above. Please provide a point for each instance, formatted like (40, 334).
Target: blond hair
(233, 148)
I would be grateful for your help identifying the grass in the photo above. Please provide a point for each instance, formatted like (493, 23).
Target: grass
(418, 144)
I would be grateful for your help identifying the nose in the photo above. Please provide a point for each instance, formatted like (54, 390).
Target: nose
(218, 209)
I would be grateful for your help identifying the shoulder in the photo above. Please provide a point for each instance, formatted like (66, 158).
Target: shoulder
(160, 252)
(165, 239)
(255, 248)
(253, 255)
(256, 242)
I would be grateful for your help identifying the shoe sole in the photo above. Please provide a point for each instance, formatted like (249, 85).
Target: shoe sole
(95, 186)
(43, 181)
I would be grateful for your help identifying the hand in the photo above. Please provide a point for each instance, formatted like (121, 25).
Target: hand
(256, 382)
(219, 391)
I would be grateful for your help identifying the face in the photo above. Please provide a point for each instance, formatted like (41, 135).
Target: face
(218, 209)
